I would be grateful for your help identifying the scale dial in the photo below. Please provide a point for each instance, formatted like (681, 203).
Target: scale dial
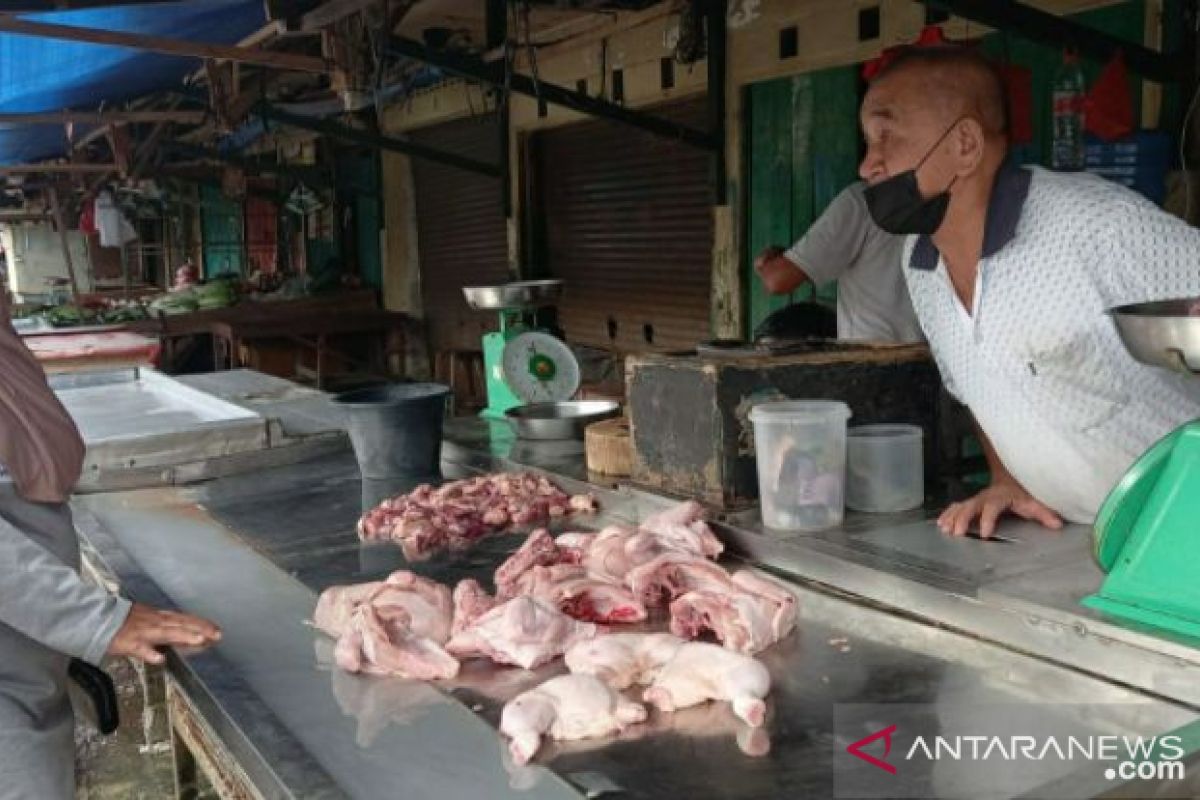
(540, 368)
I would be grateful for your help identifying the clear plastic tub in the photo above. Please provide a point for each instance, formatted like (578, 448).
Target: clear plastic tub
(801, 457)
(885, 468)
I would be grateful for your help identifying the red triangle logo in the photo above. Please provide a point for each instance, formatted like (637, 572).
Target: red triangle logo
(856, 749)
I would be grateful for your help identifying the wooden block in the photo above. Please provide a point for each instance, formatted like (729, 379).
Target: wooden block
(609, 447)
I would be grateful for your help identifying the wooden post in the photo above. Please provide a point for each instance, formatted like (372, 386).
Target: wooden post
(56, 209)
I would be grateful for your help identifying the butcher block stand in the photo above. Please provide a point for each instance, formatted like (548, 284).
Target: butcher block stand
(890, 612)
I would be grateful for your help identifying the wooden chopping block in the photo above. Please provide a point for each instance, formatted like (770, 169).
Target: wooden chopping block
(609, 447)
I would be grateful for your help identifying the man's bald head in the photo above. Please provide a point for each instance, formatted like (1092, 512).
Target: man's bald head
(953, 80)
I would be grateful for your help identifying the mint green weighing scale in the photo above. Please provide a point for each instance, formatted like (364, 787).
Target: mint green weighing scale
(523, 364)
(1147, 534)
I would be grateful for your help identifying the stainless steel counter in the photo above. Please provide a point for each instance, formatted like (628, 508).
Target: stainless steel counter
(252, 552)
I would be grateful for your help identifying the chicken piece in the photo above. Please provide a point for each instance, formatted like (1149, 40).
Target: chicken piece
(784, 618)
(372, 647)
(573, 546)
(683, 527)
(571, 590)
(583, 503)
(336, 606)
(522, 631)
(540, 580)
(623, 659)
(422, 606)
(566, 707)
(658, 582)
(471, 601)
(419, 539)
(539, 549)
(699, 672)
(742, 620)
(606, 558)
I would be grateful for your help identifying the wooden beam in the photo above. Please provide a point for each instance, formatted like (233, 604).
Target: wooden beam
(164, 45)
(33, 169)
(332, 11)
(101, 117)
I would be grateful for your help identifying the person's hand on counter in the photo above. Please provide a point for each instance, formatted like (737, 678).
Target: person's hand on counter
(146, 629)
(1001, 497)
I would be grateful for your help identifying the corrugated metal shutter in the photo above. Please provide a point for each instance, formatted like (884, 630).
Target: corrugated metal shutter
(462, 237)
(628, 224)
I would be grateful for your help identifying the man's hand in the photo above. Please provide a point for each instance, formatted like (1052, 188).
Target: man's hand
(1000, 498)
(779, 275)
(147, 629)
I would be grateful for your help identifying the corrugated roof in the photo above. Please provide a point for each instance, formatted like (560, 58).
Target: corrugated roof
(51, 75)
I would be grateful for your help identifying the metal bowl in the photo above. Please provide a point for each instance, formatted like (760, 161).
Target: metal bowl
(559, 420)
(522, 294)
(1162, 334)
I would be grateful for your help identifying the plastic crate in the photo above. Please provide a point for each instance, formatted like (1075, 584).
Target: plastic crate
(1140, 162)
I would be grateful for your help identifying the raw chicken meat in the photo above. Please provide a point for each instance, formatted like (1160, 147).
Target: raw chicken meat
(699, 672)
(658, 582)
(617, 550)
(404, 599)
(390, 627)
(571, 590)
(539, 579)
(523, 631)
(566, 707)
(749, 616)
(784, 618)
(573, 546)
(539, 550)
(606, 557)
(623, 659)
(471, 601)
(424, 607)
(685, 526)
(457, 514)
(336, 605)
(370, 646)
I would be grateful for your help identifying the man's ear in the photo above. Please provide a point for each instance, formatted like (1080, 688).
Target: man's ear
(968, 146)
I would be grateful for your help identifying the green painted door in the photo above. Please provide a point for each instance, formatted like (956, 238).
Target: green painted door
(359, 188)
(803, 149)
(222, 231)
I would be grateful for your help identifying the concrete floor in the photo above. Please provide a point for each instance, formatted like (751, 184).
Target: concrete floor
(133, 763)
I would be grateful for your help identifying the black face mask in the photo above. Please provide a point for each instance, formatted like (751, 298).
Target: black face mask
(897, 206)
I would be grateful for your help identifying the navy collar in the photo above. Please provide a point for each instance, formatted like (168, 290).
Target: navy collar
(1004, 212)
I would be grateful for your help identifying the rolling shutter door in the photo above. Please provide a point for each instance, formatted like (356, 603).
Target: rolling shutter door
(628, 224)
(462, 237)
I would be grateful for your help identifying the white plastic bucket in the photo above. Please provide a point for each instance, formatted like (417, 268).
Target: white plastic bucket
(800, 449)
(885, 468)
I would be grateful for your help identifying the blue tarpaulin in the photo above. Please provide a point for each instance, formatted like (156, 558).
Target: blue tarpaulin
(39, 74)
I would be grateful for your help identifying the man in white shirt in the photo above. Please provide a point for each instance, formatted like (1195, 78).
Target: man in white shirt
(843, 244)
(1010, 271)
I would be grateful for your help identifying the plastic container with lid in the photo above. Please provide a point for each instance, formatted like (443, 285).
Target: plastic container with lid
(801, 459)
(885, 468)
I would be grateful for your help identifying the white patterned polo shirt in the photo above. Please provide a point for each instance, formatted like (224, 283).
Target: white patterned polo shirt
(1037, 360)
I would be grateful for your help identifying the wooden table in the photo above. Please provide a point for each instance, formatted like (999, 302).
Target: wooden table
(177, 333)
(316, 332)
